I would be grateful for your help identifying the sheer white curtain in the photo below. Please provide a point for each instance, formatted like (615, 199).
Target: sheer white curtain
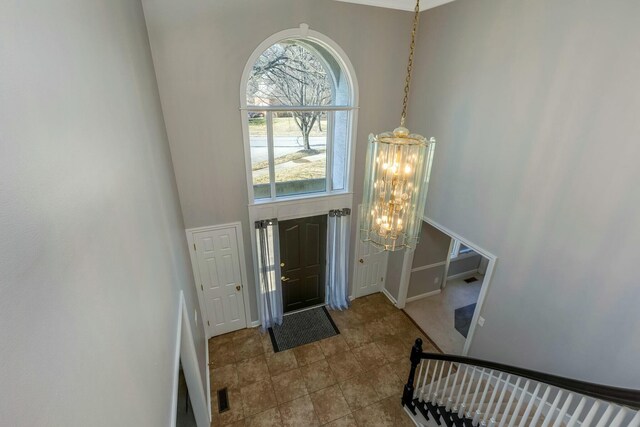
(338, 233)
(269, 271)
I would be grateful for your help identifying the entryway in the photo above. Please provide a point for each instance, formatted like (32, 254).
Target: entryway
(303, 251)
(218, 263)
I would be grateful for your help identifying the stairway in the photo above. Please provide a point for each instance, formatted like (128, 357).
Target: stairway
(446, 390)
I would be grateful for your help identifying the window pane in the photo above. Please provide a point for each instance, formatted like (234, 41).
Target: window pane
(340, 161)
(300, 152)
(259, 154)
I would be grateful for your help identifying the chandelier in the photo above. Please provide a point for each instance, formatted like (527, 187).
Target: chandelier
(396, 179)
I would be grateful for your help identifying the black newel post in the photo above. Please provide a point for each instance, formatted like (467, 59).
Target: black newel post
(407, 395)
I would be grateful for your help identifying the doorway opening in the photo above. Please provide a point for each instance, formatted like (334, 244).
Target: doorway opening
(445, 287)
(303, 251)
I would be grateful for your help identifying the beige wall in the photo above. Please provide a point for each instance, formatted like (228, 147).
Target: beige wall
(432, 248)
(535, 105)
(92, 250)
(200, 49)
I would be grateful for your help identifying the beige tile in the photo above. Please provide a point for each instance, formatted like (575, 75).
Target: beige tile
(334, 345)
(379, 329)
(221, 355)
(257, 397)
(344, 366)
(220, 339)
(235, 412)
(267, 345)
(385, 382)
(248, 347)
(226, 376)
(268, 418)
(243, 334)
(298, 412)
(401, 368)
(289, 385)
(356, 336)
(330, 404)
(252, 370)
(379, 414)
(240, 423)
(308, 353)
(392, 348)
(358, 392)
(281, 362)
(346, 421)
(317, 376)
(369, 356)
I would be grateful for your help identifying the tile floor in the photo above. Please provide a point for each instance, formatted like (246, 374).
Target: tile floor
(435, 314)
(352, 379)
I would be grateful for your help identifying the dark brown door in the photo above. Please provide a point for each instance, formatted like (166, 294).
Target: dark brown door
(303, 245)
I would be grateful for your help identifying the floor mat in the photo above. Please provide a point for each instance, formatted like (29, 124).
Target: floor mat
(302, 328)
(462, 318)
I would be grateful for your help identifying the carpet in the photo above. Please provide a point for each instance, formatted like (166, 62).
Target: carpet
(302, 328)
(462, 318)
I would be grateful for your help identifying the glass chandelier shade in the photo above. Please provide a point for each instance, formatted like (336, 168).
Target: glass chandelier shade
(395, 189)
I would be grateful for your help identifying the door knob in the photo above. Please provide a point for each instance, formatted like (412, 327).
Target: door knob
(361, 261)
(284, 279)
(282, 264)
(238, 287)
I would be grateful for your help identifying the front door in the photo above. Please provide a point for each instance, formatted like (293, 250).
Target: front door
(221, 280)
(303, 246)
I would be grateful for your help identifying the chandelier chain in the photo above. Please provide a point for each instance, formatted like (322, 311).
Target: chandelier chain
(407, 82)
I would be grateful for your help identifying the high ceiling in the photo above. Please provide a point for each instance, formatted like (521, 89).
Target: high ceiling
(400, 4)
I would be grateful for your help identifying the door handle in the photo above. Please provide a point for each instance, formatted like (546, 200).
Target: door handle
(284, 279)
(361, 261)
(282, 264)
(238, 287)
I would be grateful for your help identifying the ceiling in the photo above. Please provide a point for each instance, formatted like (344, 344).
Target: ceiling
(399, 4)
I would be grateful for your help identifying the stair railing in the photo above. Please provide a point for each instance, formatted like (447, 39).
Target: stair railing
(464, 391)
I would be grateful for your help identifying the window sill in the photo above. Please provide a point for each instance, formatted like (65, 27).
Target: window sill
(299, 198)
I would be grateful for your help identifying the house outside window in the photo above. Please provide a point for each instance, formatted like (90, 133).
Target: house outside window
(298, 114)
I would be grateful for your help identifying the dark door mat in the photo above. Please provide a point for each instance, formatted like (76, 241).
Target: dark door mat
(302, 328)
(471, 280)
(462, 318)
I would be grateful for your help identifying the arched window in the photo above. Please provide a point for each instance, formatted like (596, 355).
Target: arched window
(298, 106)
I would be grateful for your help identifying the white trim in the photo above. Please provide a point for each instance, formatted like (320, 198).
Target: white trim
(425, 295)
(389, 296)
(408, 5)
(255, 323)
(426, 267)
(190, 232)
(207, 392)
(464, 274)
(339, 55)
(447, 265)
(406, 274)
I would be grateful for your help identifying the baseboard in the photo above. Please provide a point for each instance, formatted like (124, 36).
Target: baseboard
(425, 295)
(254, 324)
(208, 390)
(462, 275)
(391, 298)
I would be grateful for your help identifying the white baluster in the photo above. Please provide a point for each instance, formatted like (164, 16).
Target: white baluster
(416, 382)
(552, 411)
(487, 413)
(591, 414)
(456, 405)
(576, 414)
(461, 408)
(506, 412)
(543, 401)
(635, 422)
(453, 388)
(494, 418)
(605, 417)
(563, 411)
(434, 397)
(424, 380)
(478, 412)
(523, 422)
(433, 380)
(617, 421)
(471, 410)
(446, 385)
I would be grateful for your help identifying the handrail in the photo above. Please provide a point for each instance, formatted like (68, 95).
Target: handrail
(622, 396)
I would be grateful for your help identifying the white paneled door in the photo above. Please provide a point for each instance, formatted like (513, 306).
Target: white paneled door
(221, 280)
(371, 269)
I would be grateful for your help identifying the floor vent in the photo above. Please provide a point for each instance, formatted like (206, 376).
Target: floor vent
(471, 280)
(223, 400)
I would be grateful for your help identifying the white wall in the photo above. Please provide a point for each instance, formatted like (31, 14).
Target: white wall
(535, 105)
(200, 49)
(92, 248)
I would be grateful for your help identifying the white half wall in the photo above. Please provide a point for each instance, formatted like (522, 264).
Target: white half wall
(92, 249)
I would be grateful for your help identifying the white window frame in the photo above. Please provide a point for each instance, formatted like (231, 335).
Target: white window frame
(302, 33)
